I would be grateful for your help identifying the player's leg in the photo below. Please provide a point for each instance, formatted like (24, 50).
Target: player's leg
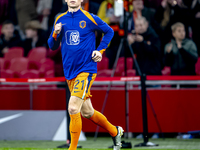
(88, 112)
(87, 109)
(98, 118)
(75, 127)
(78, 87)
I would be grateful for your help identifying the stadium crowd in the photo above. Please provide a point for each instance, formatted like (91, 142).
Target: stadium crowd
(164, 34)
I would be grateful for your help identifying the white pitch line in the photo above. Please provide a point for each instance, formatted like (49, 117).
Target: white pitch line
(5, 119)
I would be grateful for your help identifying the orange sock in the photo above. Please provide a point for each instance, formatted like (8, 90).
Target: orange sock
(75, 130)
(99, 119)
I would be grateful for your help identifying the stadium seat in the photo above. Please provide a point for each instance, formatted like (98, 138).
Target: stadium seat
(1, 63)
(14, 52)
(103, 65)
(29, 74)
(102, 68)
(53, 53)
(104, 73)
(166, 71)
(197, 67)
(59, 70)
(46, 64)
(50, 74)
(120, 65)
(18, 65)
(6, 74)
(130, 73)
(130, 63)
(119, 69)
(35, 56)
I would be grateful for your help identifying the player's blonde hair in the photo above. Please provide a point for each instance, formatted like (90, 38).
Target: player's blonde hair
(176, 25)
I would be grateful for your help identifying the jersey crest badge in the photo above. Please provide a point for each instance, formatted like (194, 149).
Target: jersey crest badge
(72, 37)
(82, 24)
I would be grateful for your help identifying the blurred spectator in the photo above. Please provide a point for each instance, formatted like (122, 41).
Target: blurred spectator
(140, 10)
(153, 3)
(55, 10)
(181, 53)
(35, 36)
(146, 45)
(3, 10)
(106, 13)
(170, 12)
(98, 1)
(8, 11)
(196, 22)
(26, 11)
(90, 6)
(9, 38)
(44, 10)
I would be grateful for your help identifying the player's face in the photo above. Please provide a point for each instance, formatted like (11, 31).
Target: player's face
(141, 26)
(179, 33)
(74, 3)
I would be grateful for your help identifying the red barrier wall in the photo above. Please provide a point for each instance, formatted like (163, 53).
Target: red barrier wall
(49, 100)
(177, 110)
(14, 99)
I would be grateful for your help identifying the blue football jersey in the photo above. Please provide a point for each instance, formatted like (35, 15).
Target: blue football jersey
(77, 39)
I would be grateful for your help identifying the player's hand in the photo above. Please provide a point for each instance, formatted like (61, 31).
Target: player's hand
(96, 56)
(58, 28)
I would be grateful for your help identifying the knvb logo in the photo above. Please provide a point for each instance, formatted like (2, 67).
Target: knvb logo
(72, 37)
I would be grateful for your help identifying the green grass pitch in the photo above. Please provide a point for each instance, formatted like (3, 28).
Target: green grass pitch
(102, 143)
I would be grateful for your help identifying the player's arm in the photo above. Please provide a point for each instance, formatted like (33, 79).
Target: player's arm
(108, 35)
(55, 37)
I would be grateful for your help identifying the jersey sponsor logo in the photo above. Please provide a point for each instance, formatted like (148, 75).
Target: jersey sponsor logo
(82, 24)
(72, 37)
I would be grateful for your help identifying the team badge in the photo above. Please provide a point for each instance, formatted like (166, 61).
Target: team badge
(82, 24)
(72, 37)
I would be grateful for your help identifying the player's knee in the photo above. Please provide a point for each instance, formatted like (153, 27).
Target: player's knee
(73, 110)
(87, 114)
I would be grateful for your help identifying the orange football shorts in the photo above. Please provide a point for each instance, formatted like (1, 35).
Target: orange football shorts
(80, 86)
